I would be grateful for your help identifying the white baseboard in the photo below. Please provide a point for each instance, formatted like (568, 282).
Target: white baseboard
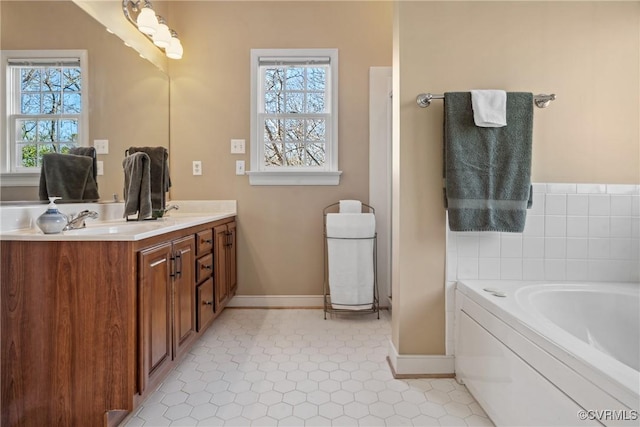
(411, 364)
(277, 301)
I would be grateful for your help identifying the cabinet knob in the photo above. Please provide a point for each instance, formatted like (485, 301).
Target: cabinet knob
(207, 241)
(207, 267)
(207, 302)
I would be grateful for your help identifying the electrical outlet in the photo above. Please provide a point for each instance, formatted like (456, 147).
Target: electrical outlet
(100, 167)
(237, 146)
(197, 167)
(239, 167)
(101, 146)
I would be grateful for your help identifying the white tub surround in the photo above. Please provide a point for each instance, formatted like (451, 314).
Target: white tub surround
(18, 222)
(531, 358)
(573, 232)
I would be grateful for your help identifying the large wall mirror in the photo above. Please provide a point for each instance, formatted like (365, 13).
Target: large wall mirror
(128, 95)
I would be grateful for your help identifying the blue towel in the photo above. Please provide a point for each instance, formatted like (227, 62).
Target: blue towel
(487, 170)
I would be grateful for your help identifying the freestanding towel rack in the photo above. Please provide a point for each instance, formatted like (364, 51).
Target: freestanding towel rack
(328, 308)
(542, 100)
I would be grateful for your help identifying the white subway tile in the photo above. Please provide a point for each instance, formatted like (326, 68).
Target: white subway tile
(592, 188)
(489, 245)
(555, 226)
(452, 265)
(555, 248)
(599, 204)
(539, 187)
(620, 205)
(489, 268)
(635, 250)
(534, 226)
(467, 245)
(620, 226)
(599, 226)
(577, 204)
(511, 269)
(511, 245)
(620, 249)
(555, 269)
(561, 188)
(537, 208)
(555, 204)
(577, 248)
(467, 268)
(577, 226)
(635, 205)
(532, 269)
(621, 188)
(532, 247)
(635, 227)
(599, 248)
(577, 269)
(601, 270)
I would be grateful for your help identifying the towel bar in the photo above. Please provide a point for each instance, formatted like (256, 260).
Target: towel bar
(541, 100)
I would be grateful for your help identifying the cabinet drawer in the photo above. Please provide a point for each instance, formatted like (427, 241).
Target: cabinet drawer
(204, 242)
(205, 304)
(204, 268)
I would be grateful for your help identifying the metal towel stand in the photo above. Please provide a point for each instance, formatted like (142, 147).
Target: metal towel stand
(375, 304)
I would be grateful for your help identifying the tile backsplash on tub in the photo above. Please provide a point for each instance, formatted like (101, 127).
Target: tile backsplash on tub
(574, 232)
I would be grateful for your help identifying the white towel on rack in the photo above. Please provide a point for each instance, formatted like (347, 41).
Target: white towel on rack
(489, 108)
(350, 244)
(350, 206)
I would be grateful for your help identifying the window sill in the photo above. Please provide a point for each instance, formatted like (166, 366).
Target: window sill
(19, 180)
(295, 178)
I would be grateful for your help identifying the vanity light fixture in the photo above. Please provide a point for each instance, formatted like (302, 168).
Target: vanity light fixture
(141, 14)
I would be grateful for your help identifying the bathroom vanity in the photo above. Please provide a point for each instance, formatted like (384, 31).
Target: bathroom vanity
(92, 320)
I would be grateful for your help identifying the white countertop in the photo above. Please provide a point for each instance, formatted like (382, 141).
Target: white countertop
(110, 227)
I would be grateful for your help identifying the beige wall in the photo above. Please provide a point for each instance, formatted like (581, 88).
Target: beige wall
(128, 96)
(280, 227)
(587, 53)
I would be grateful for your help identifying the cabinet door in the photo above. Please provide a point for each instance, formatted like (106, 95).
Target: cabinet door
(184, 293)
(154, 311)
(231, 259)
(220, 268)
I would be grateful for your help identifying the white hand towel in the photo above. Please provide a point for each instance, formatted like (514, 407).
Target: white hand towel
(489, 108)
(350, 206)
(350, 258)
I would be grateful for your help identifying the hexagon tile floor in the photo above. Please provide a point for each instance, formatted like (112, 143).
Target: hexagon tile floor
(256, 367)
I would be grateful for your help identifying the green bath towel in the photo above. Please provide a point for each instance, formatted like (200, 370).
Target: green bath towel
(487, 170)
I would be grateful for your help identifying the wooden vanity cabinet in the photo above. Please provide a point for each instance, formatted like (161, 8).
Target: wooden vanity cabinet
(166, 311)
(204, 279)
(88, 329)
(225, 264)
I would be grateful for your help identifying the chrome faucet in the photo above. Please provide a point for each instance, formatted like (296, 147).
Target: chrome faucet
(78, 221)
(170, 207)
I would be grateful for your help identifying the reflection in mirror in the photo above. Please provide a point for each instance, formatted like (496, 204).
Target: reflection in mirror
(128, 96)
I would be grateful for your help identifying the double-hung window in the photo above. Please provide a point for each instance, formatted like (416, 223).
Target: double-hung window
(45, 109)
(294, 117)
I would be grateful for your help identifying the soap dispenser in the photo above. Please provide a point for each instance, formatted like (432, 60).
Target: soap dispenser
(52, 221)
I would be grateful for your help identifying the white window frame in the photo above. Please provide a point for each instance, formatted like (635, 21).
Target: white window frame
(10, 174)
(259, 174)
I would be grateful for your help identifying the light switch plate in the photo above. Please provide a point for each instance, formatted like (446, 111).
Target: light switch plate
(100, 167)
(239, 167)
(101, 146)
(237, 146)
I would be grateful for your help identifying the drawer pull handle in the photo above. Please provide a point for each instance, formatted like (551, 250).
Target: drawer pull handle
(207, 267)
(207, 302)
(207, 241)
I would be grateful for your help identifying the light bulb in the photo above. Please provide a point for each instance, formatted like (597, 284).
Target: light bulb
(162, 37)
(147, 21)
(174, 51)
